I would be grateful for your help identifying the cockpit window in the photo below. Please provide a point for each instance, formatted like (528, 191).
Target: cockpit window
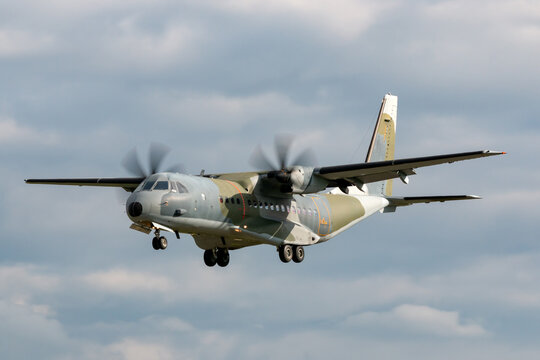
(148, 185)
(162, 185)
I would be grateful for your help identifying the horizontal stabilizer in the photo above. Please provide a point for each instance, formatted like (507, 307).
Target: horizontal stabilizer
(409, 200)
(394, 202)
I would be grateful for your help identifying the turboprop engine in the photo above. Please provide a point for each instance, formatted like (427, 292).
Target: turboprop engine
(298, 180)
(297, 176)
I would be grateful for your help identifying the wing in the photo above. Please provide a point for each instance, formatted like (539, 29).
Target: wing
(128, 184)
(365, 173)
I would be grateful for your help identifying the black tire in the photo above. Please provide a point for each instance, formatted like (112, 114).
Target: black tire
(285, 253)
(298, 253)
(223, 257)
(163, 243)
(210, 257)
(155, 243)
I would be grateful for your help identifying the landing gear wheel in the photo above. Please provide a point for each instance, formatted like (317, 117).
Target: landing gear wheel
(155, 243)
(163, 243)
(223, 257)
(210, 257)
(285, 253)
(298, 253)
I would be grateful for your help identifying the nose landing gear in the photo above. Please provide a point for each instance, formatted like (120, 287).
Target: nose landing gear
(159, 242)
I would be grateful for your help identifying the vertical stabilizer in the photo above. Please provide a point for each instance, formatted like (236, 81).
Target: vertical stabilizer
(383, 142)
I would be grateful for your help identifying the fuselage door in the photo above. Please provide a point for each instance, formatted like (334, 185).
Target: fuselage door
(322, 206)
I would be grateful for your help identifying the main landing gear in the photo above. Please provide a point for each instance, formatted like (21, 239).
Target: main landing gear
(291, 252)
(218, 256)
(159, 242)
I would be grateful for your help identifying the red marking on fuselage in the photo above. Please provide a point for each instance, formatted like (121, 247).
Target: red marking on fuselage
(242, 197)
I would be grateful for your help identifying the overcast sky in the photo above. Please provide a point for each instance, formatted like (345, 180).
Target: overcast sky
(83, 82)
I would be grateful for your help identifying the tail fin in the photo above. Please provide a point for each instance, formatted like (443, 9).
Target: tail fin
(383, 142)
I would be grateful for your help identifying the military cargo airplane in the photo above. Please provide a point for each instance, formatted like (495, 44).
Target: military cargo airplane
(289, 206)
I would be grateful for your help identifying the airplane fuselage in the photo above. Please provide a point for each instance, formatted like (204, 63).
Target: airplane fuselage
(228, 214)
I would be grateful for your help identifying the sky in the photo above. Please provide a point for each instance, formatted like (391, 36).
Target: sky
(82, 83)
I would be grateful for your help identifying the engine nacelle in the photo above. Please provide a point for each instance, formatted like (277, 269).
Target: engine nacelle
(303, 181)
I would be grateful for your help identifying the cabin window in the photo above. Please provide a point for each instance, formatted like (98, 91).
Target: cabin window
(221, 199)
(249, 203)
(226, 200)
(266, 205)
(293, 209)
(282, 208)
(271, 206)
(288, 209)
(238, 201)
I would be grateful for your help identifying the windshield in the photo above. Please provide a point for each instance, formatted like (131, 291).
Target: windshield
(154, 184)
(162, 185)
(148, 185)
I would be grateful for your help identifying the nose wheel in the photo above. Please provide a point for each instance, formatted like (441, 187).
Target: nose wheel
(159, 242)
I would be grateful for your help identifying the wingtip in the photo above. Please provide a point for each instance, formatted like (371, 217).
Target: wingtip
(491, 152)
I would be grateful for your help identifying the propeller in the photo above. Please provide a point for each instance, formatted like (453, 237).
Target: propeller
(156, 155)
(282, 144)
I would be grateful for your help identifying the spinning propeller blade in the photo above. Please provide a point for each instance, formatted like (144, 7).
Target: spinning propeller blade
(283, 144)
(156, 155)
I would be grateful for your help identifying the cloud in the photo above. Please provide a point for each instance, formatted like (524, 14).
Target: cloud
(95, 78)
(343, 19)
(506, 280)
(123, 281)
(418, 318)
(135, 349)
(12, 132)
(223, 112)
(145, 49)
(18, 43)
(68, 11)
(22, 281)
